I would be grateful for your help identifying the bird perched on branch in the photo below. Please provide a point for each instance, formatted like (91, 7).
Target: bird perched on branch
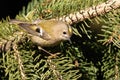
(46, 33)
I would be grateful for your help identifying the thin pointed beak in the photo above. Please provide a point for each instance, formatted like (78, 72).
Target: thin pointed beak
(70, 41)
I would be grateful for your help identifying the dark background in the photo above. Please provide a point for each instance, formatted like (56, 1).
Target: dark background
(11, 7)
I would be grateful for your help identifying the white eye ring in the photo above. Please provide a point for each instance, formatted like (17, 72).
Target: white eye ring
(39, 30)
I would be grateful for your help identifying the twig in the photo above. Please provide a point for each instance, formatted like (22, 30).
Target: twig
(51, 55)
(17, 56)
(17, 53)
(91, 12)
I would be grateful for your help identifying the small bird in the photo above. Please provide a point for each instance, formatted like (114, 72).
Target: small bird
(46, 33)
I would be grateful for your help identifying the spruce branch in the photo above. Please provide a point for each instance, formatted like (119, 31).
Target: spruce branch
(80, 16)
(116, 67)
(6, 45)
(53, 68)
(14, 43)
(75, 17)
(114, 37)
(91, 12)
(20, 64)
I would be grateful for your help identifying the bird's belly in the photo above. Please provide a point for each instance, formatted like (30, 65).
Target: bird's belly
(44, 43)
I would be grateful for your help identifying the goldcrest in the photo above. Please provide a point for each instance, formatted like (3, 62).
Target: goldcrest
(46, 33)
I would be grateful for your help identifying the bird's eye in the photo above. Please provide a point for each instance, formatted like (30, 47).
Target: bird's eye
(38, 30)
(64, 32)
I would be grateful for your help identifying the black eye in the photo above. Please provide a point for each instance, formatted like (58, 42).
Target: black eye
(64, 32)
(38, 30)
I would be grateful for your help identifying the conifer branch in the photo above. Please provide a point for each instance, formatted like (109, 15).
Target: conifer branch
(53, 68)
(91, 12)
(116, 67)
(6, 45)
(80, 16)
(20, 64)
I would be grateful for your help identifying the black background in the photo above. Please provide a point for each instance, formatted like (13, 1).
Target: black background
(11, 7)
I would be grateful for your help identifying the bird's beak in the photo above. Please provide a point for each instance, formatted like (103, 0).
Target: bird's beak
(70, 41)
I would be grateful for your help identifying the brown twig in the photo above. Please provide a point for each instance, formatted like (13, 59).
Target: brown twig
(17, 39)
(20, 64)
(91, 12)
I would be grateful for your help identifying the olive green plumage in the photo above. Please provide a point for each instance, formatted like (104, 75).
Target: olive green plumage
(46, 33)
